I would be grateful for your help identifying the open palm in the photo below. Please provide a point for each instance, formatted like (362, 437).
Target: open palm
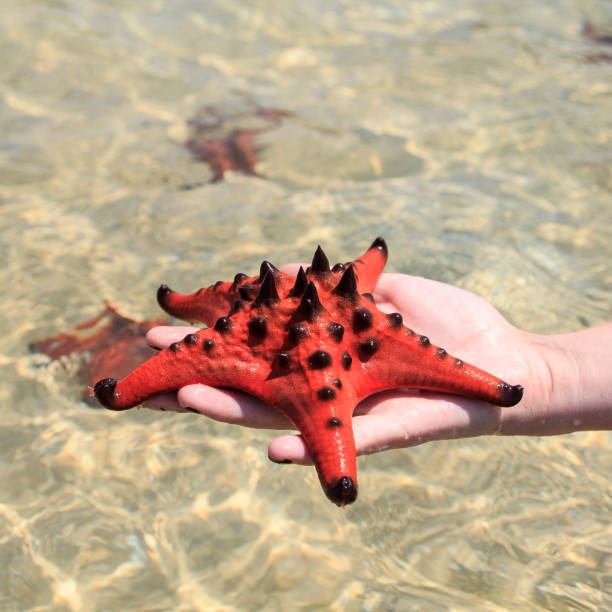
(461, 322)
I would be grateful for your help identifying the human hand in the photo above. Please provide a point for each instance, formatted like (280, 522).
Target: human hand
(463, 323)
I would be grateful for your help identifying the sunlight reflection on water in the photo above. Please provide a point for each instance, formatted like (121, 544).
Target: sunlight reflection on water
(475, 139)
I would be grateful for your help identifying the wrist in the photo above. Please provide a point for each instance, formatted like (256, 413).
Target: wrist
(566, 387)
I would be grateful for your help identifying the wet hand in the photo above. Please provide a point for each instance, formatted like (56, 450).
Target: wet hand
(461, 322)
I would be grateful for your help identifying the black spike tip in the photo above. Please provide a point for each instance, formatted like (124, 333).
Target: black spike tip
(267, 292)
(310, 304)
(162, 293)
(320, 263)
(241, 276)
(343, 492)
(300, 284)
(347, 287)
(510, 395)
(247, 291)
(380, 243)
(104, 390)
(266, 267)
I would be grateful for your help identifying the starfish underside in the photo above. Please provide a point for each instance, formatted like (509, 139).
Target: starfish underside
(311, 346)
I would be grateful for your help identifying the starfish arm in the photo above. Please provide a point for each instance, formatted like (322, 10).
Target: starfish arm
(205, 305)
(204, 357)
(222, 298)
(323, 415)
(401, 358)
(370, 265)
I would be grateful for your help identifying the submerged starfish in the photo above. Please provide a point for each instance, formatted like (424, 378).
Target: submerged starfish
(312, 347)
(110, 342)
(234, 150)
(593, 34)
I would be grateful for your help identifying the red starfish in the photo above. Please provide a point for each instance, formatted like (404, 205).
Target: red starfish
(312, 347)
(115, 344)
(237, 150)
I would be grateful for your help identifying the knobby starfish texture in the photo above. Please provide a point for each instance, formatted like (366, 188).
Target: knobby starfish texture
(312, 347)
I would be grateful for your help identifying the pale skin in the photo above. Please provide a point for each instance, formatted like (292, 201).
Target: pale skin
(567, 378)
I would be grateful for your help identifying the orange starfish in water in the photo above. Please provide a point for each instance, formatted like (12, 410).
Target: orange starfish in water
(236, 150)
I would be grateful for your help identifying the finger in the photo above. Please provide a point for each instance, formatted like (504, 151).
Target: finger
(164, 402)
(380, 402)
(289, 449)
(164, 335)
(397, 422)
(292, 268)
(293, 449)
(231, 407)
(424, 304)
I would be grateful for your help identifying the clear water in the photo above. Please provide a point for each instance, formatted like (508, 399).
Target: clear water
(475, 136)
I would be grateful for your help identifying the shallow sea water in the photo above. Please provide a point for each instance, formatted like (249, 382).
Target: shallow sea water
(475, 137)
